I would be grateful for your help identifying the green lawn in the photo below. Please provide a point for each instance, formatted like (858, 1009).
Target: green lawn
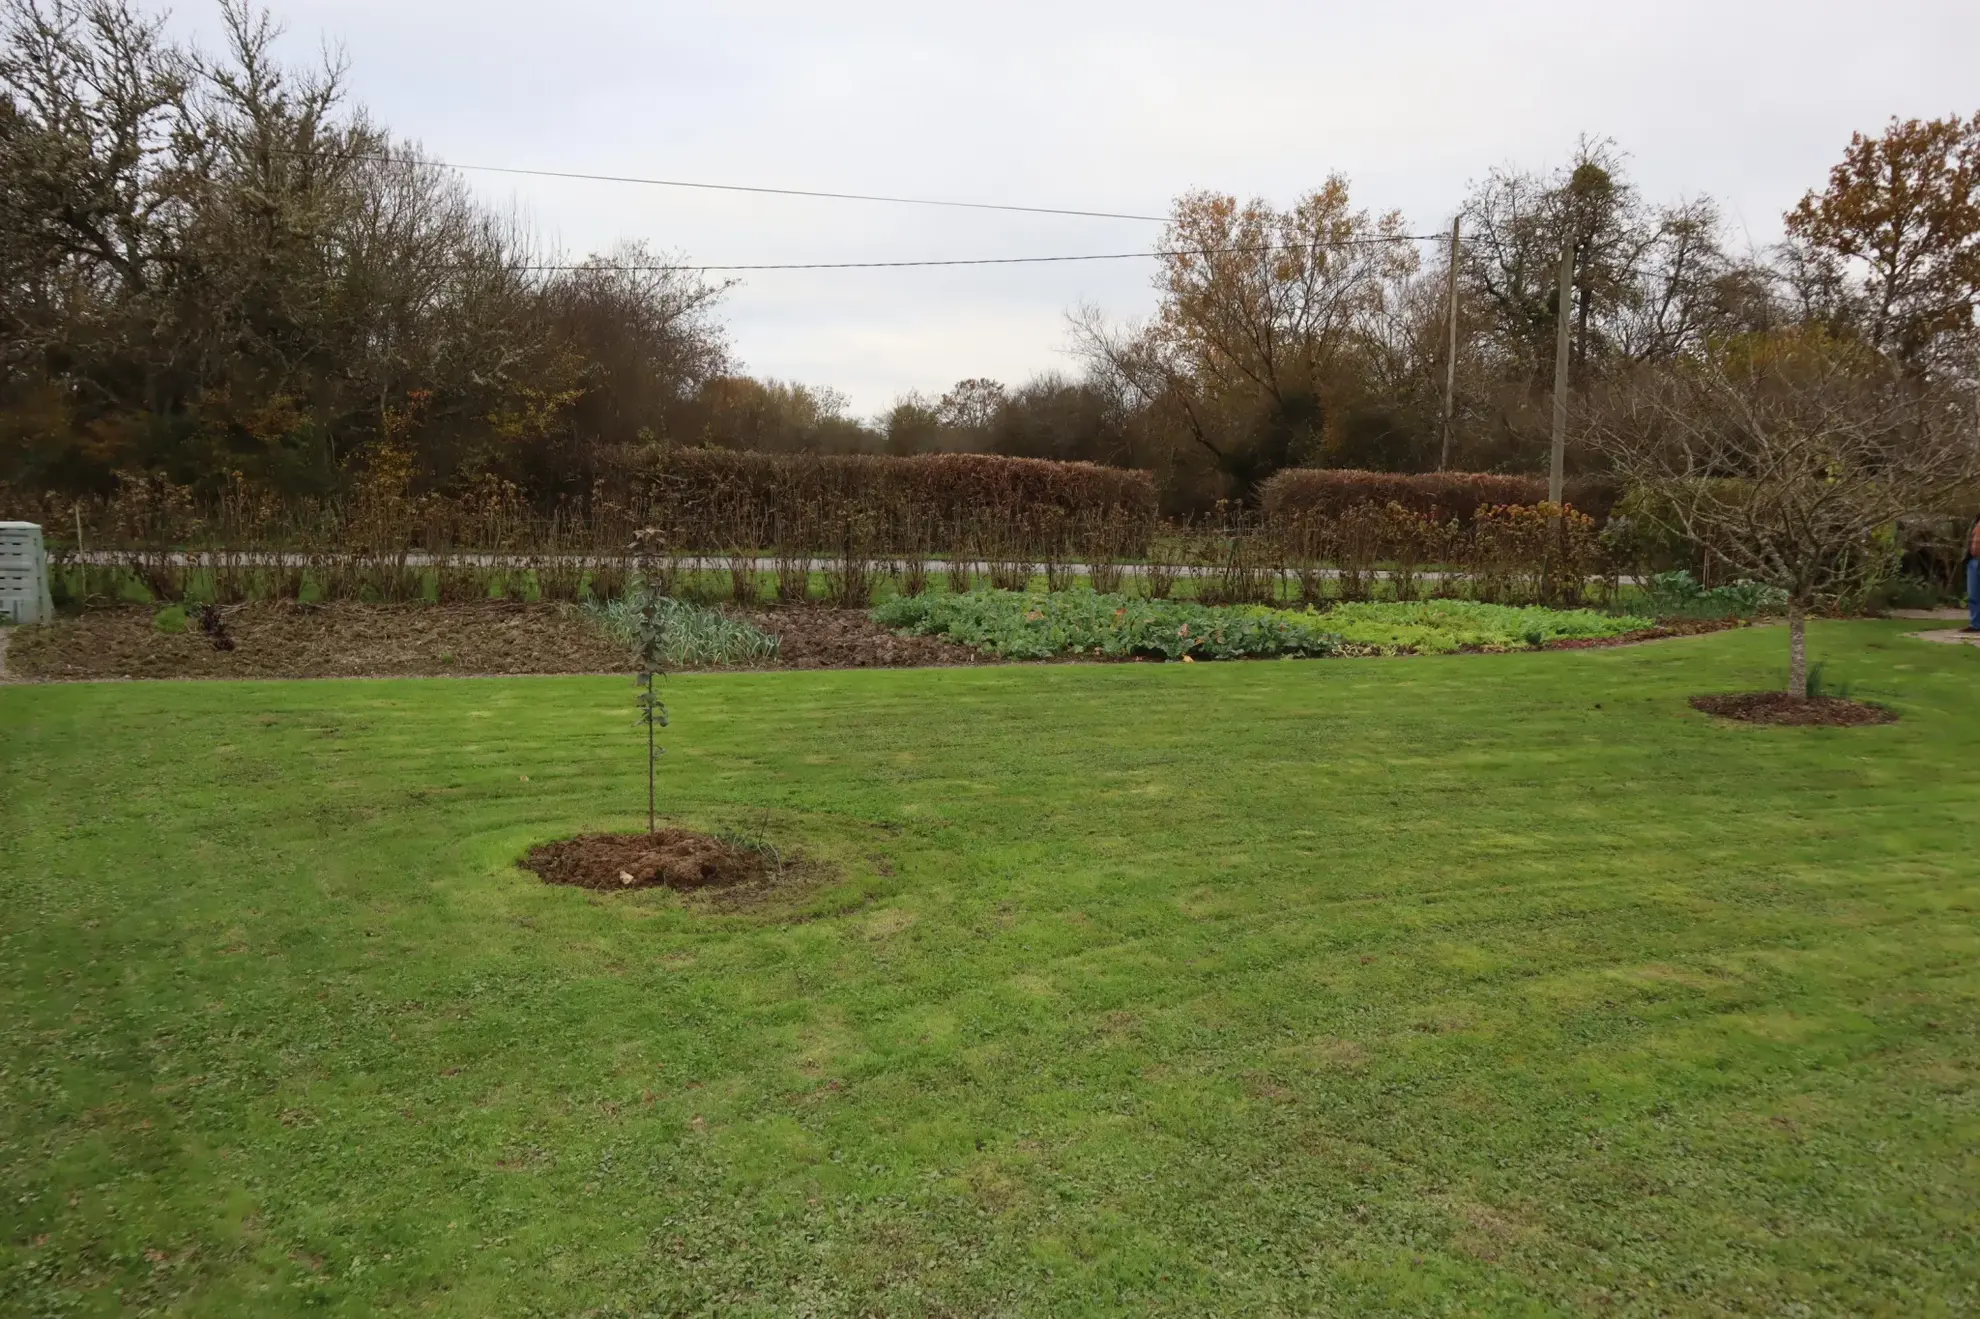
(1481, 984)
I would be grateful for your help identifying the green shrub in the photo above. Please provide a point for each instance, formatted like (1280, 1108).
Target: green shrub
(1041, 625)
(171, 620)
(1439, 627)
(1679, 593)
(694, 635)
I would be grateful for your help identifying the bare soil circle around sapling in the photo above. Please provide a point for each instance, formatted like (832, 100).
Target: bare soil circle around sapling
(669, 858)
(1784, 708)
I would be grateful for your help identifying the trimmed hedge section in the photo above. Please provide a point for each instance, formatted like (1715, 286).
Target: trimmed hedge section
(942, 495)
(1299, 492)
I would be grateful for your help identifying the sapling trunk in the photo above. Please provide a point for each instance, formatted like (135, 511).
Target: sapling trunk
(651, 640)
(1797, 650)
(652, 711)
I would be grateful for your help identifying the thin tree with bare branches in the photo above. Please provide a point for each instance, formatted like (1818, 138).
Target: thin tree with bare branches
(1789, 457)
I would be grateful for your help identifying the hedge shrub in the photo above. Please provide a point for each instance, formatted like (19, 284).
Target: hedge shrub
(1329, 492)
(930, 498)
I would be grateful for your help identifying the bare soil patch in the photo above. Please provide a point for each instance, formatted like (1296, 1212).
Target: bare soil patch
(819, 637)
(1781, 708)
(347, 640)
(287, 640)
(671, 858)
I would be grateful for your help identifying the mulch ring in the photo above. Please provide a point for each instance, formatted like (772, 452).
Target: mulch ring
(1782, 708)
(670, 858)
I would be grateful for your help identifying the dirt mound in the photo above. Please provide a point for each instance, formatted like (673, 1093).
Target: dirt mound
(1781, 708)
(671, 858)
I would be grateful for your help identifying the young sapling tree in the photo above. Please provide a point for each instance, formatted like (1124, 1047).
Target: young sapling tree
(650, 650)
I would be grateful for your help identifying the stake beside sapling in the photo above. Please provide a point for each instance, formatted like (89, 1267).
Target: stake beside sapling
(649, 648)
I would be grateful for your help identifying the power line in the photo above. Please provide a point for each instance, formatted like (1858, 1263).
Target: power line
(608, 268)
(741, 187)
(864, 197)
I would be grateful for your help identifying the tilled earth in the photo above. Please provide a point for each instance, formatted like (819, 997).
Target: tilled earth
(344, 640)
(287, 640)
(813, 637)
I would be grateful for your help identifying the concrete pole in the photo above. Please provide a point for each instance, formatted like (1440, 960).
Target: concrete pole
(1450, 353)
(1557, 467)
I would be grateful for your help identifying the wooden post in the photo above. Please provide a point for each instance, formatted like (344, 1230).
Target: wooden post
(1557, 467)
(1450, 354)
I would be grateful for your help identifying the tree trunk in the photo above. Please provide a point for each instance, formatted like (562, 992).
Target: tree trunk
(1797, 651)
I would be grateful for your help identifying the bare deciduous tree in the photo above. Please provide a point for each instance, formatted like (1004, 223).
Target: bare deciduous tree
(1789, 457)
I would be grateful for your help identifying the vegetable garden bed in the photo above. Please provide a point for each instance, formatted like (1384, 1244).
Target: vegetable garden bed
(273, 639)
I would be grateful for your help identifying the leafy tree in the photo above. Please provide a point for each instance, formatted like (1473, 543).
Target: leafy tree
(780, 417)
(1259, 312)
(1067, 420)
(911, 426)
(1891, 247)
(971, 406)
(211, 264)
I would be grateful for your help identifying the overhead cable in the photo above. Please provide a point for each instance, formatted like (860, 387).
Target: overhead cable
(742, 187)
(1257, 250)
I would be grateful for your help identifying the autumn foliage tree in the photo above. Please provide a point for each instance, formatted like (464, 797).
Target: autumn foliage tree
(1891, 247)
(1260, 310)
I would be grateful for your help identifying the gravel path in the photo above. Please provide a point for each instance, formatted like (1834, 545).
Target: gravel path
(1950, 637)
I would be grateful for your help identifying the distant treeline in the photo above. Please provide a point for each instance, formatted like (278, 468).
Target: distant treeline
(215, 271)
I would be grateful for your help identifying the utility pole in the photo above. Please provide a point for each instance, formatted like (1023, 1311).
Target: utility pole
(1450, 355)
(1557, 468)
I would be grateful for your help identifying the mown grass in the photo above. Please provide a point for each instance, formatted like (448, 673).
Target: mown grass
(1480, 984)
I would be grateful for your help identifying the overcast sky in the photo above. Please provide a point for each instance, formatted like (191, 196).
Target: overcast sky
(1106, 106)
